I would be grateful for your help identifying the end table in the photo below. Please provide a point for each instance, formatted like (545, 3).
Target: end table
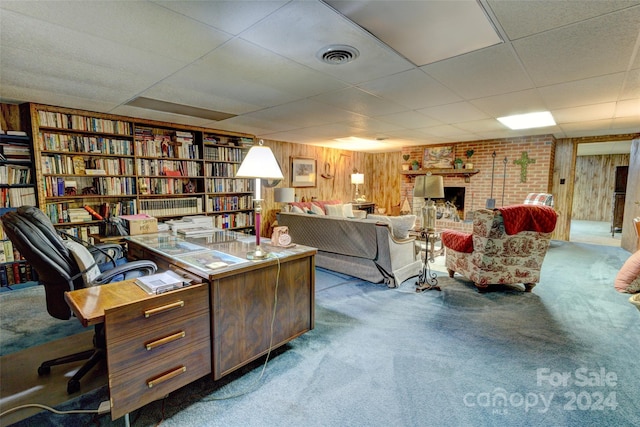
(428, 280)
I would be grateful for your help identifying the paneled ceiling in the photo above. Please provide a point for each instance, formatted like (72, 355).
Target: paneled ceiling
(426, 72)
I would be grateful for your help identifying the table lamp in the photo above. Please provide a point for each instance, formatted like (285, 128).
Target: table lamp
(357, 179)
(284, 195)
(429, 187)
(259, 163)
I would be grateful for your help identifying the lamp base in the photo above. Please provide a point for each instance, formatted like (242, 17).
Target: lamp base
(257, 253)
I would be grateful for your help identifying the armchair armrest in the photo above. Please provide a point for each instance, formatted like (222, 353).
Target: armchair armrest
(129, 270)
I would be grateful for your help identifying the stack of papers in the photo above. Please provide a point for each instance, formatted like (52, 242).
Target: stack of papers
(160, 282)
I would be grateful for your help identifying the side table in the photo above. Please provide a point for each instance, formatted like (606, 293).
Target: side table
(428, 280)
(369, 207)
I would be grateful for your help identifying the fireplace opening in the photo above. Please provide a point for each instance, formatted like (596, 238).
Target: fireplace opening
(455, 196)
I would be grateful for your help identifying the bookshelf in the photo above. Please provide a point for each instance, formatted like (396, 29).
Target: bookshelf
(228, 199)
(17, 188)
(120, 165)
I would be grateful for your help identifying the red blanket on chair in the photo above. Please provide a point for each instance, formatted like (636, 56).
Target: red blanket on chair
(519, 218)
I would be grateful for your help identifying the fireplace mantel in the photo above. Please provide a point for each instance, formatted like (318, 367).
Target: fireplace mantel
(467, 173)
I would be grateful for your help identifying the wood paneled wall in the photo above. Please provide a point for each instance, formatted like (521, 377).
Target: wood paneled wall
(630, 240)
(594, 185)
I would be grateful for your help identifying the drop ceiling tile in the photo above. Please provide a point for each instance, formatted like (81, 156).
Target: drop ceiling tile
(230, 16)
(139, 25)
(586, 113)
(524, 18)
(487, 125)
(444, 131)
(629, 108)
(358, 101)
(490, 71)
(300, 29)
(233, 84)
(454, 113)
(567, 53)
(412, 89)
(631, 87)
(302, 114)
(409, 120)
(628, 124)
(593, 128)
(431, 31)
(591, 91)
(143, 113)
(35, 37)
(526, 101)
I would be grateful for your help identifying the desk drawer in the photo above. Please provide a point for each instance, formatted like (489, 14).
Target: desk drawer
(151, 381)
(144, 345)
(159, 311)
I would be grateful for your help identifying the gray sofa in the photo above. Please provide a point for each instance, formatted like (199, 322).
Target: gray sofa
(362, 248)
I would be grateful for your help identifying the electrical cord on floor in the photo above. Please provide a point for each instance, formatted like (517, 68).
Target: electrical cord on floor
(104, 408)
(254, 386)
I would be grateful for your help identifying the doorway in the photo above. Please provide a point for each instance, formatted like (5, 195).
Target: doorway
(593, 194)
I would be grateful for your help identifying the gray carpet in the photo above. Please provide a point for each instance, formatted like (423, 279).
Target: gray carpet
(565, 355)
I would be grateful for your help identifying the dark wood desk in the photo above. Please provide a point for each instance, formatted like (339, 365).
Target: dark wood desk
(369, 207)
(158, 343)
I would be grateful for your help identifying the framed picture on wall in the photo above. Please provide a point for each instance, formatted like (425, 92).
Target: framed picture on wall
(438, 157)
(303, 172)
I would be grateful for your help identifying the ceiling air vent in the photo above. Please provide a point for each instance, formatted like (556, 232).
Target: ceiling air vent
(337, 54)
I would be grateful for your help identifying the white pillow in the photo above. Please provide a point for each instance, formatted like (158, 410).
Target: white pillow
(347, 210)
(296, 209)
(334, 210)
(316, 209)
(401, 225)
(85, 261)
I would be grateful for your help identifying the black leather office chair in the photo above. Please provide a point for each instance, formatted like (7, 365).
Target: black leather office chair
(64, 265)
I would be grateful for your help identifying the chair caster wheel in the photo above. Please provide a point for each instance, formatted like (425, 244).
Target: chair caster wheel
(73, 386)
(44, 370)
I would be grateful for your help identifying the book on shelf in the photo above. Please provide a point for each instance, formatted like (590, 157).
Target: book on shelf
(160, 282)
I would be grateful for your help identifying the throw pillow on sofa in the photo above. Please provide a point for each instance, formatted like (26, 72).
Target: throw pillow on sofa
(400, 225)
(334, 210)
(316, 209)
(628, 278)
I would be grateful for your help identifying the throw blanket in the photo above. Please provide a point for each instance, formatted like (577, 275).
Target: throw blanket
(519, 218)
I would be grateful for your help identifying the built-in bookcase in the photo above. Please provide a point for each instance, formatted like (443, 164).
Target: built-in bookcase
(228, 199)
(119, 165)
(17, 188)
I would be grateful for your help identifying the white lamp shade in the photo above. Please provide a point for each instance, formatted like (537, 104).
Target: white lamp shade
(283, 195)
(429, 187)
(259, 163)
(357, 178)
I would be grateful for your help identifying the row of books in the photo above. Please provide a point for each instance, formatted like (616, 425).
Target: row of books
(225, 154)
(229, 185)
(15, 197)
(228, 203)
(83, 123)
(166, 186)
(228, 170)
(168, 167)
(84, 144)
(154, 142)
(233, 220)
(7, 252)
(79, 165)
(171, 207)
(15, 174)
(17, 272)
(15, 152)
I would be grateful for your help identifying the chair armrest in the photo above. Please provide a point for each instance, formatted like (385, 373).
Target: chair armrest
(130, 270)
(106, 252)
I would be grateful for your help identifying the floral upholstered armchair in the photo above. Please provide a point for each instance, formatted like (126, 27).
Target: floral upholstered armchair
(507, 246)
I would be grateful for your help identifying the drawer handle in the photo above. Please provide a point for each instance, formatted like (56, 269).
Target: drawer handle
(166, 340)
(162, 309)
(166, 377)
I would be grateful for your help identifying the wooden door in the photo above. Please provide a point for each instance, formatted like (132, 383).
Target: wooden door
(629, 240)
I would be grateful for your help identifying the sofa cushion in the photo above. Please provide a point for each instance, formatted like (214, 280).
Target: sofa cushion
(335, 210)
(317, 209)
(458, 241)
(400, 225)
(628, 278)
(347, 210)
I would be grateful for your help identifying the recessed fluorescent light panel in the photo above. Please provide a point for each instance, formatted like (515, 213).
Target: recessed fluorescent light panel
(528, 121)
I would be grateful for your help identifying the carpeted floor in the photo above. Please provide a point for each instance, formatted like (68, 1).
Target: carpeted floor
(564, 355)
